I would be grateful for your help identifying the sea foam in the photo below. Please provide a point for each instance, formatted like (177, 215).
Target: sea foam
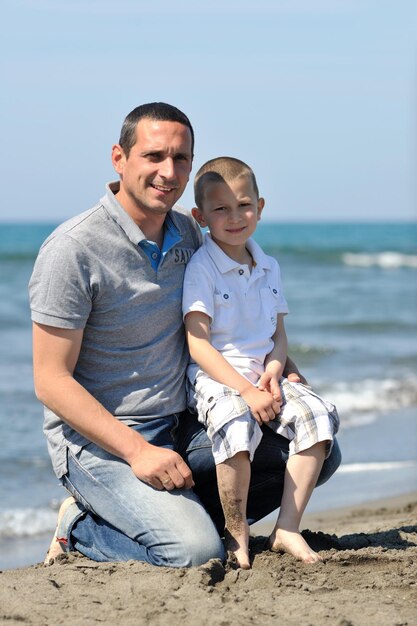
(26, 522)
(360, 402)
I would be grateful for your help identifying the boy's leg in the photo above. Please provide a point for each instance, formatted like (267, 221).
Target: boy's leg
(303, 470)
(267, 469)
(233, 476)
(305, 418)
(117, 517)
(234, 435)
(310, 423)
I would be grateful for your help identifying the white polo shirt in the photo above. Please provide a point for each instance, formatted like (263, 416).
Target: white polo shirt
(243, 305)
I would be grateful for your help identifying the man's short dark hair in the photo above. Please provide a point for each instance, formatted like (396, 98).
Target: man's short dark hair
(157, 111)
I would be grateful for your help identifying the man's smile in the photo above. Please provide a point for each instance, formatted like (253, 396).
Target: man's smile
(163, 188)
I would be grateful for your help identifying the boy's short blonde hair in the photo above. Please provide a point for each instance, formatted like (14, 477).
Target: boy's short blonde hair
(221, 170)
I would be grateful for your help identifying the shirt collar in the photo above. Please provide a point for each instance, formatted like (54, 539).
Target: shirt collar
(123, 219)
(225, 264)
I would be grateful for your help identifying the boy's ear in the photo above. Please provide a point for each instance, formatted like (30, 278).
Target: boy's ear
(261, 204)
(198, 216)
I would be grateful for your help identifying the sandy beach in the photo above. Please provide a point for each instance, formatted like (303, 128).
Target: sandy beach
(369, 576)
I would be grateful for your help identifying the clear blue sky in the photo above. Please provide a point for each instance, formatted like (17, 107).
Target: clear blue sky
(319, 96)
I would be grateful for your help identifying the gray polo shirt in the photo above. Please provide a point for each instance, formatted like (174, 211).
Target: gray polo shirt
(92, 274)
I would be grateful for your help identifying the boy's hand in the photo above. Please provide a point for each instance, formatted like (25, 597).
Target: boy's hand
(261, 403)
(270, 382)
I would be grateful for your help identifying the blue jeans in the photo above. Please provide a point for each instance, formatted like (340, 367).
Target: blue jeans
(118, 517)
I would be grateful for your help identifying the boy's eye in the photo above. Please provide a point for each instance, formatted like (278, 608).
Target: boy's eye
(220, 208)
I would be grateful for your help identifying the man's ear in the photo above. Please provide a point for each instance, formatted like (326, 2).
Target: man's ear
(261, 204)
(198, 216)
(118, 158)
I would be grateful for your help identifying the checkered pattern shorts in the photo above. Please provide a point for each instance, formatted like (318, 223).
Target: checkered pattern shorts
(305, 418)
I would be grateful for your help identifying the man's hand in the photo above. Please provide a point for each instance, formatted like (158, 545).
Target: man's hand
(295, 378)
(161, 468)
(261, 403)
(292, 373)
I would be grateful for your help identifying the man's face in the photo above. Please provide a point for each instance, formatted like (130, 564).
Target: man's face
(158, 167)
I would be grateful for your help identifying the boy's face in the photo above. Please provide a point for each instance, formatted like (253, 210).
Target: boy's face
(231, 211)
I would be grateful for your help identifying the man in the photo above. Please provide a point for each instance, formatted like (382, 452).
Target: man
(110, 359)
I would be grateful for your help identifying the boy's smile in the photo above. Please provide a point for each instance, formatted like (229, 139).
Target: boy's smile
(231, 210)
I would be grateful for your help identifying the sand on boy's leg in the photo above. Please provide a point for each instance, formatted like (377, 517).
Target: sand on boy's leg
(55, 548)
(233, 476)
(301, 476)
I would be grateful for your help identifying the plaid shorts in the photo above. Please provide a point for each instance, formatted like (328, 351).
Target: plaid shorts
(305, 418)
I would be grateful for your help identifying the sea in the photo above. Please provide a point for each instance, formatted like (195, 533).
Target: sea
(352, 329)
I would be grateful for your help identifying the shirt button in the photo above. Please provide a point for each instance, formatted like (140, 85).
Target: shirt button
(274, 291)
(241, 272)
(154, 256)
(226, 296)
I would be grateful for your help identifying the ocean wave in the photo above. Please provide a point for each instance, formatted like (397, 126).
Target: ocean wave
(310, 353)
(27, 522)
(18, 256)
(371, 326)
(360, 402)
(347, 257)
(380, 466)
(385, 260)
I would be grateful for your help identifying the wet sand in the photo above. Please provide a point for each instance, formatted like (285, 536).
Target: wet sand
(369, 577)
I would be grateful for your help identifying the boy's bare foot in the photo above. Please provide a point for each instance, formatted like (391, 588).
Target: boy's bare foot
(293, 543)
(55, 549)
(238, 543)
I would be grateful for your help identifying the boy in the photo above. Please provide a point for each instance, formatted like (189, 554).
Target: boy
(234, 310)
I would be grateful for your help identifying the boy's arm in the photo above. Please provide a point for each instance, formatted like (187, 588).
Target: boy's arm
(55, 354)
(197, 326)
(275, 361)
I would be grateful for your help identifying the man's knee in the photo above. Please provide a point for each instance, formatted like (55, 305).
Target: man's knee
(201, 550)
(191, 550)
(331, 464)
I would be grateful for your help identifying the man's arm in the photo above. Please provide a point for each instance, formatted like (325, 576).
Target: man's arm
(292, 372)
(55, 354)
(197, 327)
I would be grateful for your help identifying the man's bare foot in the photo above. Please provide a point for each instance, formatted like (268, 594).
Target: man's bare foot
(55, 549)
(238, 543)
(293, 543)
